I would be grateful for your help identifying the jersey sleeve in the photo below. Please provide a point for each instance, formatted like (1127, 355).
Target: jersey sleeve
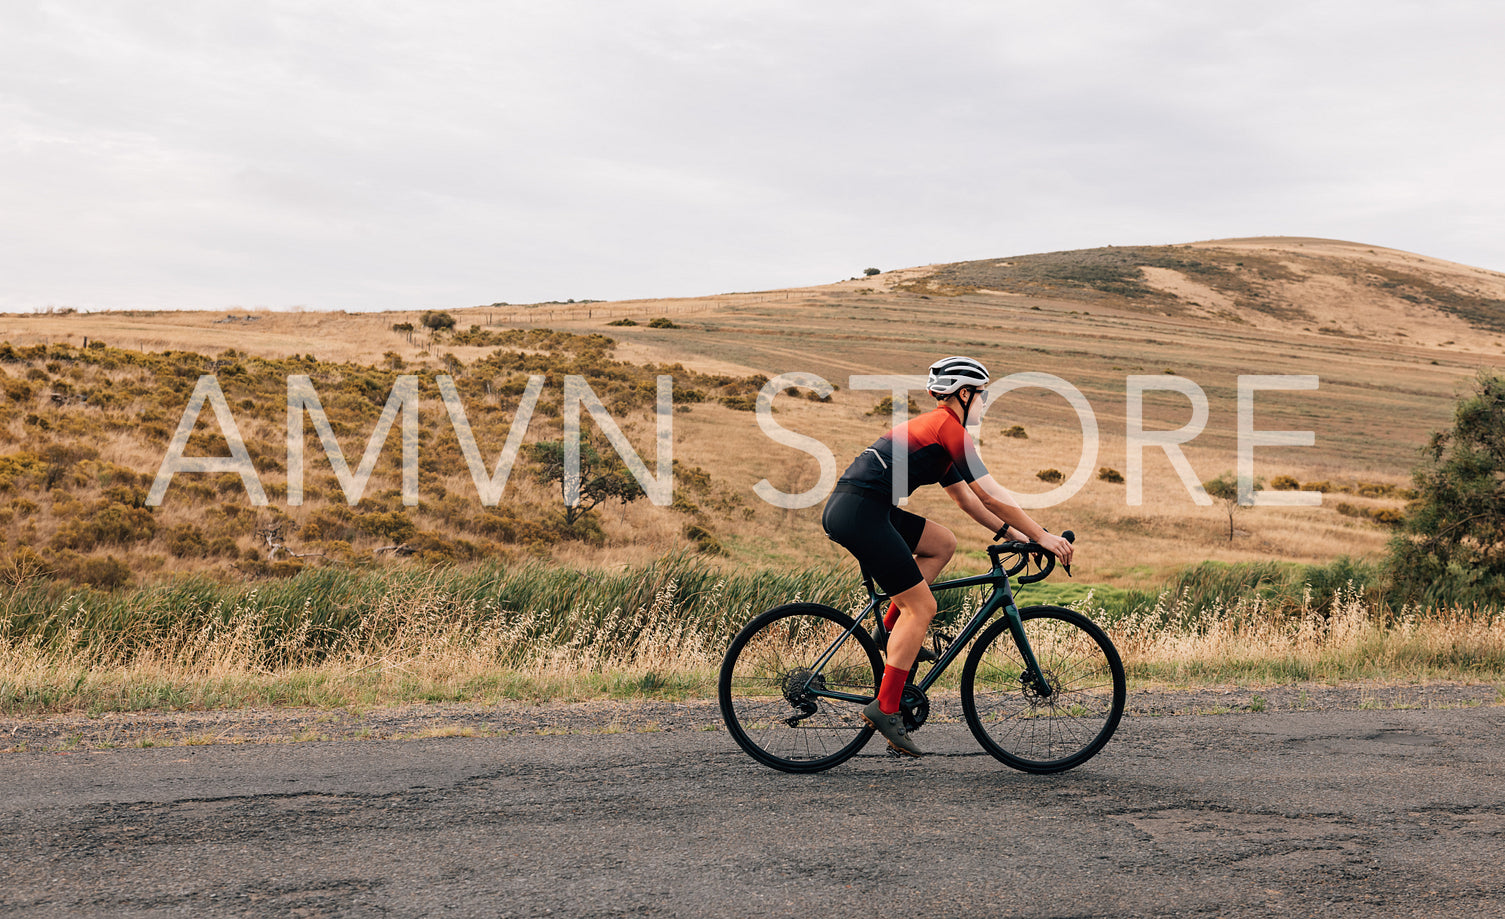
(966, 464)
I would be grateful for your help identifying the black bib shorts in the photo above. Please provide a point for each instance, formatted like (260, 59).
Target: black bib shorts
(882, 537)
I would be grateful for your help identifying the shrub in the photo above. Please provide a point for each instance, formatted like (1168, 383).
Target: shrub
(1110, 475)
(662, 322)
(1285, 483)
(1050, 475)
(703, 540)
(1452, 550)
(436, 320)
(393, 526)
(504, 524)
(1387, 516)
(186, 541)
(584, 528)
(106, 522)
(22, 566)
(1016, 431)
(431, 547)
(885, 407)
(623, 322)
(336, 521)
(18, 390)
(869, 272)
(108, 573)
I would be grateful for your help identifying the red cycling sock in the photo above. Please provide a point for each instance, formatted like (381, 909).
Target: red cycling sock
(892, 616)
(891, 690)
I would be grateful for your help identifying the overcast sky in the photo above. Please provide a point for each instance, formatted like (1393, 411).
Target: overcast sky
(370, 155)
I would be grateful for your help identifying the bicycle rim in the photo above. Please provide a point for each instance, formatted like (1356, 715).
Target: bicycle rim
(765, 680)
(1037, 732)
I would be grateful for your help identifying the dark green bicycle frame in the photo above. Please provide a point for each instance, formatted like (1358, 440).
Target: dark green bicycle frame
(1001, 598)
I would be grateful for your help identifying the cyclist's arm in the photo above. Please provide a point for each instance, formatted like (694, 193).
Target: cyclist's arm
(996, 499)
(968, 501)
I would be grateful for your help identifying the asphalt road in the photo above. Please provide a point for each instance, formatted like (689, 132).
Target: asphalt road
(1347, 813)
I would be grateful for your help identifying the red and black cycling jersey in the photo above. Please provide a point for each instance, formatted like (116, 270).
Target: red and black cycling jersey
(937, 449)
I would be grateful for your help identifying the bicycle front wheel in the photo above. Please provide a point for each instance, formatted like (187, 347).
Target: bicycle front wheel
(1044, 731)
(777, 697)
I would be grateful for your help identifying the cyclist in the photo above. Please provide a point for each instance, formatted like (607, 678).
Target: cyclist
(904, 552)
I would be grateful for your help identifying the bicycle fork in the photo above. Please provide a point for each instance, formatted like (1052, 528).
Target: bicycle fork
(1033, 677)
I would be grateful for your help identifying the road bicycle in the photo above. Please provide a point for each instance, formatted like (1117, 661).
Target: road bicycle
(1042, 688)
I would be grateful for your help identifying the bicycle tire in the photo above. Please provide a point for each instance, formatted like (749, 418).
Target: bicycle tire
(760, 680)
(1020, 726)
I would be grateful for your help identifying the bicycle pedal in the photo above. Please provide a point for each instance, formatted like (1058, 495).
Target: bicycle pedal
(942, 643)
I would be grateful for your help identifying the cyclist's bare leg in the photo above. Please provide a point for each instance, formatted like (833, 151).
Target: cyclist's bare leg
(937, 545)
(917, 608)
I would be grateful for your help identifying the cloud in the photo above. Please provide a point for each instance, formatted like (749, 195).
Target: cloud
(203, 154)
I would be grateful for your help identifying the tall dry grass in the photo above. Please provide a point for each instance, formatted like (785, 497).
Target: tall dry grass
(1347, 636)
(354, 640)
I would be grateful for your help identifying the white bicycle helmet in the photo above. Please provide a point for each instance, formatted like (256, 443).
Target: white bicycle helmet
(949, 374)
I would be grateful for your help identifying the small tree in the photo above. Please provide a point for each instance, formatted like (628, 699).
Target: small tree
(600, 478)
(1224, 490)
(1452, 548)
(869, 272)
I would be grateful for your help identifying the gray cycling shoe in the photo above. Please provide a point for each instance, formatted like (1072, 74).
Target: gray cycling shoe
(892, 729)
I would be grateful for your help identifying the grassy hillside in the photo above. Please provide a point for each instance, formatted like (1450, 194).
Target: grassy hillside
(87, 430)
(91, 401)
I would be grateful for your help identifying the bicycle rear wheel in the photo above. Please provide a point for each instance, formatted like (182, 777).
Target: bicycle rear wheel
(1044, 732)
(770, 689)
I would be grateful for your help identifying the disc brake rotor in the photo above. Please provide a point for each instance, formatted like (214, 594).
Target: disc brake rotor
(1032, 690)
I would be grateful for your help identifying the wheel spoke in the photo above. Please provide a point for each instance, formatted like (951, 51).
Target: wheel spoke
(1035, 731)
(770, 693)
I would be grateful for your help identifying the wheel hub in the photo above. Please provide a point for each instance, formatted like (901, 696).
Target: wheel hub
(797, 686)
(1031, 686)
(799, 682)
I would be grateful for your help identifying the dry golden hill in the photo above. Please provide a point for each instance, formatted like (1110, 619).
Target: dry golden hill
(1391, 337)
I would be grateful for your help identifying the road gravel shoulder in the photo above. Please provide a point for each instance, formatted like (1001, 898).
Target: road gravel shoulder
(62, 733)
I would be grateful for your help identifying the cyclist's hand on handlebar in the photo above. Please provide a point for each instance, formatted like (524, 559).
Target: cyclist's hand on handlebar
(1058, 546)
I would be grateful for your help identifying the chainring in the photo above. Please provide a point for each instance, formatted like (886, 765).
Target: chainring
(914, 706)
